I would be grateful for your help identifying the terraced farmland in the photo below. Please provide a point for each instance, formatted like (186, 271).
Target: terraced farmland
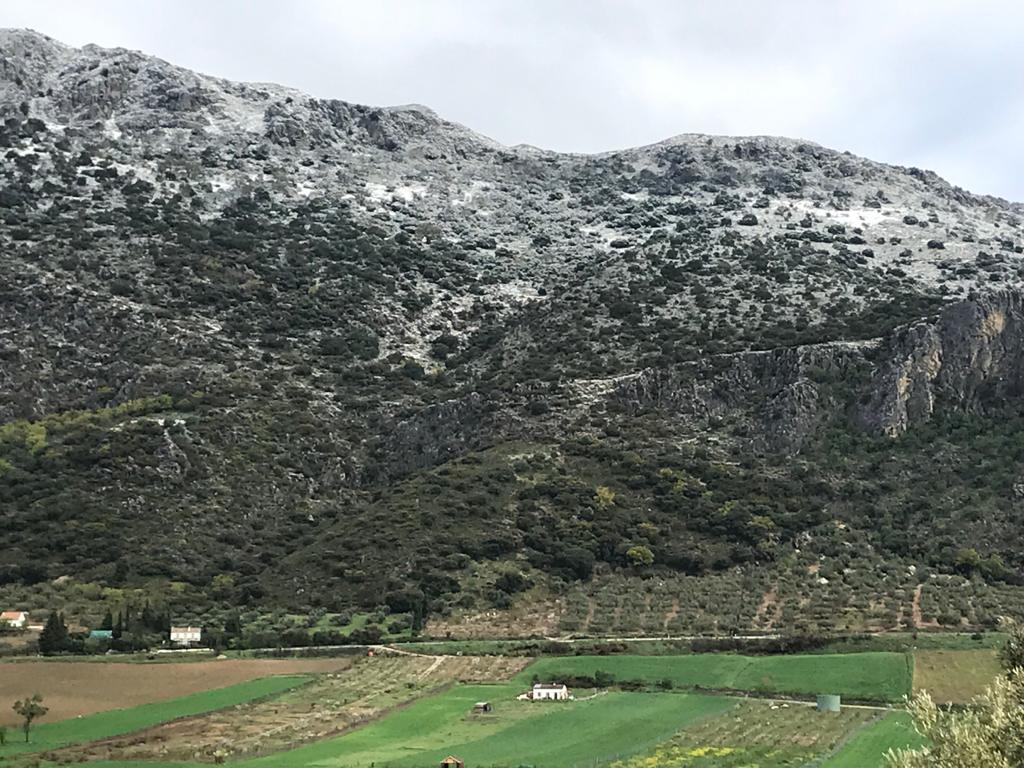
(584, 732)
(545, 735)
(102, 725)
(755, 733)
(406, 711)
(332, 704)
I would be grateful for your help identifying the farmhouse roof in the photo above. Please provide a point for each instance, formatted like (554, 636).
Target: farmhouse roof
(186, 629)
(12, 615)
(548, 686)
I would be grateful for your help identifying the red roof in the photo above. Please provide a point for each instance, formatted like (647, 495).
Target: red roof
(12, 615)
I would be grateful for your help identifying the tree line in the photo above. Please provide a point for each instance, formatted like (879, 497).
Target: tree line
(131, 629)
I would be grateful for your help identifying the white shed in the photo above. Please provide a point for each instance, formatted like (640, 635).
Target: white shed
(14, 619)
(186, 635)
(549, 691)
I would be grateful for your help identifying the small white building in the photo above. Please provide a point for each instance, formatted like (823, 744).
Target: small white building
(14, 619)
(549, 691)
(186, 635)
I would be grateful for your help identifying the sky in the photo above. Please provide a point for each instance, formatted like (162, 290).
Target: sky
(937, 84)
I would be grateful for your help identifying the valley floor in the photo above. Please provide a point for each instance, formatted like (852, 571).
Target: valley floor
(411, 709)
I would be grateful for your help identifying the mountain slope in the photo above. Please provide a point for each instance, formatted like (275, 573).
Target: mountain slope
(305, 347)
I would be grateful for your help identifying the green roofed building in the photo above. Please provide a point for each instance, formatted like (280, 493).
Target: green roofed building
(101, 634)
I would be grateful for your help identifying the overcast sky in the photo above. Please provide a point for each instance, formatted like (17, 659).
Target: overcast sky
(934, 83)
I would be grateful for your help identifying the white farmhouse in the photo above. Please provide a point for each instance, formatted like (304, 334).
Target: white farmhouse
(186, 635)
(13, 619)
(549, 691)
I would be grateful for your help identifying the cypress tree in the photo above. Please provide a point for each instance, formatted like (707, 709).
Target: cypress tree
(54, 637)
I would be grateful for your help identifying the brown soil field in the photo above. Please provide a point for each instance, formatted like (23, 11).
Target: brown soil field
(74, 688)
(333, 704)
(954, 676)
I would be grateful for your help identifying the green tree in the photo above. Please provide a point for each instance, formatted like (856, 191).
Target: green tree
(233, 626)
(222, 586)
(108, 621)
(54, 637)
(3, 734)
(640, 555)
(604, 496)
(967, 560)
(419, 612)
(1012, 654)
(29, 709)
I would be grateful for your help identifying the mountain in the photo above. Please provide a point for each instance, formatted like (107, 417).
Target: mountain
(265, 350)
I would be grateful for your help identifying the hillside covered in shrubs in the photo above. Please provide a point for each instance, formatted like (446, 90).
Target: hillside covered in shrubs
(269, 354)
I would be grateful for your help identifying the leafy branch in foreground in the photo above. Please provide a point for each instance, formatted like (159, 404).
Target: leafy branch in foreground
(989, 733)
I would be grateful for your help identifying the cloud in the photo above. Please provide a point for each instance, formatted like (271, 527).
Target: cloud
(932, 83)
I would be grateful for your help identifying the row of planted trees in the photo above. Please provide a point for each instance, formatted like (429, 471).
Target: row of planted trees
(131, 630)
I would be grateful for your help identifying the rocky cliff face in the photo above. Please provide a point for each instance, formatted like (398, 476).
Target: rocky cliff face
(782, 396)
(971, 358)
(242, 314)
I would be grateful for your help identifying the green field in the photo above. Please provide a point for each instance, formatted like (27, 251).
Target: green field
(607, 727)
(870, 676)
(645, 729)
(545, 735)
(118, 721)
(631, 730)
(428, 723)
(541, 734)
(868, 746)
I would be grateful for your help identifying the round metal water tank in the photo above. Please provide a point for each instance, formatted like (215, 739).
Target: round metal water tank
(828, 702)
